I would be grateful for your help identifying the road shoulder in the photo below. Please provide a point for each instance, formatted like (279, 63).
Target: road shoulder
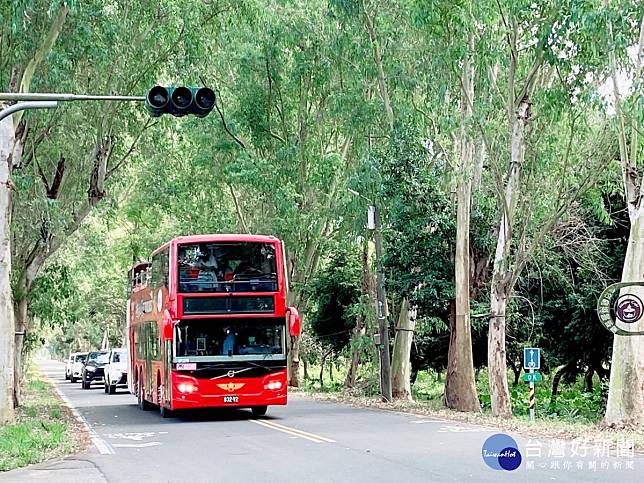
(54, 435)
(541, 428)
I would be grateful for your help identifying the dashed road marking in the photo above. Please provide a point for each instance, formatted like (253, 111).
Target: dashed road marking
(292, 431)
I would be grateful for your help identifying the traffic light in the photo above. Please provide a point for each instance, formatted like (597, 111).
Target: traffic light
(179, 101)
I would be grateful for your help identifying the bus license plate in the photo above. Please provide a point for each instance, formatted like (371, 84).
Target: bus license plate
(231, 399)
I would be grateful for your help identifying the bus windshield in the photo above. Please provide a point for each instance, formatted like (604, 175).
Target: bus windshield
(227, 267)
(222, 339)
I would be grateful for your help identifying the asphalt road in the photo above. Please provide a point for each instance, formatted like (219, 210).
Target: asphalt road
(306, 441)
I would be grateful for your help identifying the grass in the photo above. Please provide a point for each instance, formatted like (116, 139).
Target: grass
(44, 428)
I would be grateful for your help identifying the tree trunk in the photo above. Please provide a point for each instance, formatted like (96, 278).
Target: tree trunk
(516, 370)
(322, 364)
(460, 387)
(21, 317)
(588, 379)
(331, 369)
(401, 365)
(555, 384)
(293, 343)
(361, 320)
(7, 327)
(294, 380)
(496, 355)
(377, 59)
(305, 364)
(105, 343)
(502, 275)
(625, 406)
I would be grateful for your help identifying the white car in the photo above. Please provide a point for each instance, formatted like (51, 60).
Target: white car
(116, 370)
(68, 365)
(77, 365)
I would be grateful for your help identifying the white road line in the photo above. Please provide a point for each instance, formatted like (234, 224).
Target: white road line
(102, 446)
(134, 445)
(426, 421)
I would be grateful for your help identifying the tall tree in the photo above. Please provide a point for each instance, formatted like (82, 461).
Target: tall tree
(11, 150)
(7, 324)
(625, 405)
(460, 387)
(539, 47)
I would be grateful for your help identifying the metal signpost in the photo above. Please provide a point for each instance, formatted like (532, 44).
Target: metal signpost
(532, 363)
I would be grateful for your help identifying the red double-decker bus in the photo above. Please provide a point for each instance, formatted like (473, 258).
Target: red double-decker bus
(207, 324)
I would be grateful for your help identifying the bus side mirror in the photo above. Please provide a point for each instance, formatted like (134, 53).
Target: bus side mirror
(294, 322)
(168, 327)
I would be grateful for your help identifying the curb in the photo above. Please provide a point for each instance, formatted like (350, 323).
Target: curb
(101, 445)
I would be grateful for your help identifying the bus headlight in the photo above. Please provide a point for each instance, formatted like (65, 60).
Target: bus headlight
(186, 388)
(274, 385)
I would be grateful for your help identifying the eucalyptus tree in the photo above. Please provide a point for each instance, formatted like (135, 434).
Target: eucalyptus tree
(625, 405)
(70, 157)
(17, 68)
(452, 34)
(545, 79)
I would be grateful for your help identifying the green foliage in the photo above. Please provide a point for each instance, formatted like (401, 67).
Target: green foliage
(42, 431)
(572, 403)
(336, 291)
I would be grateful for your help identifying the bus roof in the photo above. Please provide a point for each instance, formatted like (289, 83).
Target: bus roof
(218, 237)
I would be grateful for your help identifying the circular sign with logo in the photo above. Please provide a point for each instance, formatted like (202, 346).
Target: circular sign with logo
(501, 452)
(159, 300)
(629, 308)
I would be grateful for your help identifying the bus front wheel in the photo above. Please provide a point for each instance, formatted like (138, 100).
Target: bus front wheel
(259, 410)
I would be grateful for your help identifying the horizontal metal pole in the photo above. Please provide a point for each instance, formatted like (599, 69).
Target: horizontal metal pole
(34, 96)
(21, 106)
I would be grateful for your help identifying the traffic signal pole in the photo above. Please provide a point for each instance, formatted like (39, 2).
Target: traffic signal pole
(50, 101)
(175, 100)
(38, 96)
(23, 106)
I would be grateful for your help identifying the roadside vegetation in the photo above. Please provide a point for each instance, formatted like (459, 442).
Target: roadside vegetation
(44, 428)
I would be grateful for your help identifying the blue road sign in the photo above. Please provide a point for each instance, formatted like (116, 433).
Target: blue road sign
(531, 358)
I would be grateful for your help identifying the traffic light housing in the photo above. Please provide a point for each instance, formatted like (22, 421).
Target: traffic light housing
(180, 101)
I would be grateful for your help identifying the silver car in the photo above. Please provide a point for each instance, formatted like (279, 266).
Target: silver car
(77, 366)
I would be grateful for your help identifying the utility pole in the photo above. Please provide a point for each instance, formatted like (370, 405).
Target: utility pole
(382, 312)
